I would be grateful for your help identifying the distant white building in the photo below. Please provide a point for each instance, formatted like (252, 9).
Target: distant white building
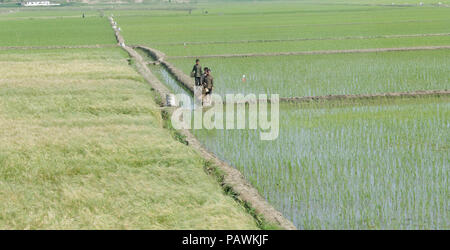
(40, 3)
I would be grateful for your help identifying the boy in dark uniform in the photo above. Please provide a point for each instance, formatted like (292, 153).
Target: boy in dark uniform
(208, 86)
(197, 73)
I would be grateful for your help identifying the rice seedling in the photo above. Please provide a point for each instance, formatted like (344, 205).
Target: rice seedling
(383, 164)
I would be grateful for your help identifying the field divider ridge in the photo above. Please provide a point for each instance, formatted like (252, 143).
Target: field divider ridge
(141, 67)
(317, 52)
(232, 177)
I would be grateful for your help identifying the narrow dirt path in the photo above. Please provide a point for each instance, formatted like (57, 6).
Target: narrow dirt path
(317, 52)
(305, 39)
(141, 64)
(232, 177)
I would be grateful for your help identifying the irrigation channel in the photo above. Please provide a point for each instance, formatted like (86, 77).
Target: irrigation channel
(349, 167)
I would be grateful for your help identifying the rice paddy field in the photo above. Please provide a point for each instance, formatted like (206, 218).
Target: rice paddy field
(345, 164)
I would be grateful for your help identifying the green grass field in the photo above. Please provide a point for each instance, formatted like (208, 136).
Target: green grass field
(55, 31)
(82, 145)
(291, 20)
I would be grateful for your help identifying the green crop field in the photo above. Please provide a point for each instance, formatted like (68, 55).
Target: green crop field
(375, 165)
(53, 31)
(82, 145)
(317, 75)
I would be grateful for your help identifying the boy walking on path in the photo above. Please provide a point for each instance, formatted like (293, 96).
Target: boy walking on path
(208, 86)
(198, 76)
(197, 73)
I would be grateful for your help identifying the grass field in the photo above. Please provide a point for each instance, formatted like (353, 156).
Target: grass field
(53, 31)
(363, 164)
(376, 164)
(317, 75)
(82, 145)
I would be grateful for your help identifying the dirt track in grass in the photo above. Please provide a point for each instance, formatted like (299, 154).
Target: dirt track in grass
(232, 177)
(318, 52)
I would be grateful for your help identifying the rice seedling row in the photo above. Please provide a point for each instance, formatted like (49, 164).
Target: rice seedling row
(379, 165)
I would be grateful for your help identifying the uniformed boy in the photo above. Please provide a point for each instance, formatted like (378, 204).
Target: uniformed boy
(208, 86)
(197, 73)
